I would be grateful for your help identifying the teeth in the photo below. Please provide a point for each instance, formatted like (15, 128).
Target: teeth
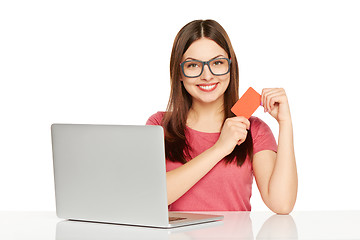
(207, 87)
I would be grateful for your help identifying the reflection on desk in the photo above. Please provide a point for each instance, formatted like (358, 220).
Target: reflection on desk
(71, 230)
(236, 225)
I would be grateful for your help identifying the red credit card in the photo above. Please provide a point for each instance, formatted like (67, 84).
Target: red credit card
(247, 104)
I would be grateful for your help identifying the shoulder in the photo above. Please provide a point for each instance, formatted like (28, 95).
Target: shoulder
(258, 126)
(155, 119)
(263, 138)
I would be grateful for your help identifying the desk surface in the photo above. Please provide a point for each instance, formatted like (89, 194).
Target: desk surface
(236, 225)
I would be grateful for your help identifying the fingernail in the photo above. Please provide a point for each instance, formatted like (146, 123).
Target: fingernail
(261, 103)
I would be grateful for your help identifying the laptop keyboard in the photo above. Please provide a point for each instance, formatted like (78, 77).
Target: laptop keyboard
(172, 219)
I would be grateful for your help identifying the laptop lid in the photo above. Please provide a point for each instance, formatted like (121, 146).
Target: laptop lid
(110, 173)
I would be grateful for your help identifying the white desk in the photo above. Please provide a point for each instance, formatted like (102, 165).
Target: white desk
(236, 225)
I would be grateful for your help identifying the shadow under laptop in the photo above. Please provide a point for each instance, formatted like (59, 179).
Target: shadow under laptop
(71, 230)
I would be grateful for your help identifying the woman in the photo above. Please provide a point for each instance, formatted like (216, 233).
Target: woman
(212, 155)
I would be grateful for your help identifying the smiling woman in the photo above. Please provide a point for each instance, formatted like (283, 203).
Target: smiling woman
(212, 155)
(201, 41)
(199, 77)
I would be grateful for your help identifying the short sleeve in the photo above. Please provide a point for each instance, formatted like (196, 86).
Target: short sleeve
(263, 138)
(155, 119)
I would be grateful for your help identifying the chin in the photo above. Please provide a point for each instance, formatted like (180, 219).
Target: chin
(208, 100)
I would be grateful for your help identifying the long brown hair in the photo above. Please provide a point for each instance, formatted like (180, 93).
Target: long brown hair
(177, 148)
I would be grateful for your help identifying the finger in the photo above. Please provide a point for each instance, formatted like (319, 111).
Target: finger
(268, 93)
(238, 130)
(269, 99)
(241, 119)
(273, 102)
(278, 99)
(264, 93)
(239, 127)
(245, 121)
(275, 97)
(242, 137)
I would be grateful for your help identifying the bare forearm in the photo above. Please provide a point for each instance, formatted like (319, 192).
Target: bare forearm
(181, 179)
(283, 183)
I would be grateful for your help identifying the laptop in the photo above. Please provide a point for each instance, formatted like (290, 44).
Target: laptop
(114, 174)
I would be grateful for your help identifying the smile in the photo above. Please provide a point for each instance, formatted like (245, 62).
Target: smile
(207, 87)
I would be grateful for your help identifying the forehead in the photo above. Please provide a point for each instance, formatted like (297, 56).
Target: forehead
(204, 49)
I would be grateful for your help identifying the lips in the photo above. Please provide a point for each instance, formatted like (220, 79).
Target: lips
(207, 87)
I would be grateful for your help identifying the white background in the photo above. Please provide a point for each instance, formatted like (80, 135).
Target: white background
(108, 62)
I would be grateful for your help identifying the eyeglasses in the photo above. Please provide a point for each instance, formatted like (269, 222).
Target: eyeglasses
(194, 68)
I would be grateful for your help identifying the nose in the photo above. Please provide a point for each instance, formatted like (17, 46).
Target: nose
(206, 74)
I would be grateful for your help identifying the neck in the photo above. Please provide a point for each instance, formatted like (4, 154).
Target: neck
(206, 114)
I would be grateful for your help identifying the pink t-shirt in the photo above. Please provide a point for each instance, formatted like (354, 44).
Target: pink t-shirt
(226, 187)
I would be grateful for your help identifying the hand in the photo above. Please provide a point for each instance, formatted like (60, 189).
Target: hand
(233, 132)
(275, 102)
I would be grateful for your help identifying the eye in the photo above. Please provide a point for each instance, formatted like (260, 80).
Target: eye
(218, 62)
(192, 65)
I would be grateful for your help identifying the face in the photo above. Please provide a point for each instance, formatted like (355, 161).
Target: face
(207, 88)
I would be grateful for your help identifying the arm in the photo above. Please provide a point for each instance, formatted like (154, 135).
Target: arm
(276, 173)
(181, 179)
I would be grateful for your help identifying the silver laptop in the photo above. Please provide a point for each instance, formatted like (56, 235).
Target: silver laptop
(114, 174)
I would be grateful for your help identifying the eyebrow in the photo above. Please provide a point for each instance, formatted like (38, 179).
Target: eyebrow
(190, 58)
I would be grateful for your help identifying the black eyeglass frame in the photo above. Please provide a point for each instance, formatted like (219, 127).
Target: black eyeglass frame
(203, 65)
